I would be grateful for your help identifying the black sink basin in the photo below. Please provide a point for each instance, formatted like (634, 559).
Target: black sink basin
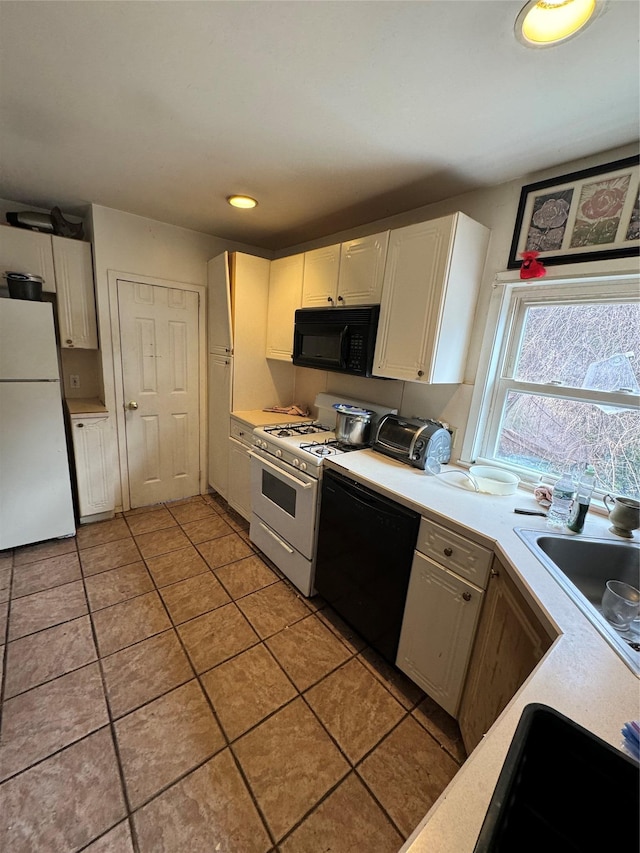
(561, 789)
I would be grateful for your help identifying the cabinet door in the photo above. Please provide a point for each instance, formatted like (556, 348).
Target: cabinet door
(431, 282)
(437, 631)
(239, 495)
(510, 642)
(320, 278)
(409, 314)
(285, 294)
(220, 377)
(220, 330)
(76, 302)
(92, 452)
(362, 270)
(27, 252)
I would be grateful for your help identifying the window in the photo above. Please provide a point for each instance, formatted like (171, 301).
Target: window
(565, 385)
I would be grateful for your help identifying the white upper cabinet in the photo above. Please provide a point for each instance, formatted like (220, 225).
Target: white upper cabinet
(27, 251)
(362, 270)
(67, 269)
(76, 302)
(285, 295)
(320, 279)
(346, 274)
(431, 281)
(219, 300)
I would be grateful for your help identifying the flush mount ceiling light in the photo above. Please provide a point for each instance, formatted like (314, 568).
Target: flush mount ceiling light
(243, 201)
(547, 22)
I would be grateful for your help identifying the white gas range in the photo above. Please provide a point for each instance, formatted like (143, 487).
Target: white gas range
(286, 467)
(303, 446)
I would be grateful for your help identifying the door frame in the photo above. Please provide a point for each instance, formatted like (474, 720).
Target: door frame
(114, 277)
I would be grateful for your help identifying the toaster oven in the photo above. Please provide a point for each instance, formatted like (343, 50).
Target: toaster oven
(412, 440)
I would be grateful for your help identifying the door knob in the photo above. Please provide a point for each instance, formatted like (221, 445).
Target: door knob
(132, 404)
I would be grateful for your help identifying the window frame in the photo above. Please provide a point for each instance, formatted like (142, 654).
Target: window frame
(505, 323)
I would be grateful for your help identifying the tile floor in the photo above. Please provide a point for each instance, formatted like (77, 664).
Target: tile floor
(163, 688)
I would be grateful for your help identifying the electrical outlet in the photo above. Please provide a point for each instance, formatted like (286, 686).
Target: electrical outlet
(74, 380)
(454, 437)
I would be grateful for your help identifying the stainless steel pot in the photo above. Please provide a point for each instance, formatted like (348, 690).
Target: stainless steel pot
(353, 425)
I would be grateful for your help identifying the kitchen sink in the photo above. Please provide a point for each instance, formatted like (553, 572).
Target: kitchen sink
(582, 566)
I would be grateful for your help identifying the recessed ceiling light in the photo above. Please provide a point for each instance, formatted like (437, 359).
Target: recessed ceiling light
(243, 201)
(547, 22)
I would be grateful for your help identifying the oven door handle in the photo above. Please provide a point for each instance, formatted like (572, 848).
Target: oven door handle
(284, 474)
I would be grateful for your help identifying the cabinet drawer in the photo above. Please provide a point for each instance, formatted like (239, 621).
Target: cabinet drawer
(240, 431)
(455, 552)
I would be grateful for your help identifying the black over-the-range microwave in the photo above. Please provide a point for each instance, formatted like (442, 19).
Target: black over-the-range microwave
(340, 339)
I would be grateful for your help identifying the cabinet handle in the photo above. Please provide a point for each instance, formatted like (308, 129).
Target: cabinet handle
(69, 341)
(330, 299)
(340, 299)
(79, 426)
(494, 573)
(421, 373)
(466, 596)
(448, 552)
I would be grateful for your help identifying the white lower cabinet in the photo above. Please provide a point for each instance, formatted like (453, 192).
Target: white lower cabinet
(239, 490)
(441, 612)
(92, 445)
(439, 624)
(220, 378)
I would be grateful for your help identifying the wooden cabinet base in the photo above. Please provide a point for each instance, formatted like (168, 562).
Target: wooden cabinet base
(509, 643)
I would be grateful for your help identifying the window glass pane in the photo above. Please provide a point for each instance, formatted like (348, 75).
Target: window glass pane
(551, 435)
(581, 345)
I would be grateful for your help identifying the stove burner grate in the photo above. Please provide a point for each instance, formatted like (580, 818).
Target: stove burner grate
(330, 447)
(287, 430)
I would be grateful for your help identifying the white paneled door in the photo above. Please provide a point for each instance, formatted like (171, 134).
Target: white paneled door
(160, 358)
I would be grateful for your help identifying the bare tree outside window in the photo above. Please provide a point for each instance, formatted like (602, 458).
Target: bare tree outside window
(574, 393)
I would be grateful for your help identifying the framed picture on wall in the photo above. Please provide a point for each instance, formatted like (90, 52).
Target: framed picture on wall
(584, 216)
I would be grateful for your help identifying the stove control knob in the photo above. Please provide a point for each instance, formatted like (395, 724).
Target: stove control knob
(295, 462)
(263, 444)
(278, 453)
(303, 466)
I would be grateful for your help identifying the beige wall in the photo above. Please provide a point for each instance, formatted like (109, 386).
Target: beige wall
(494, 207)
(134, 245)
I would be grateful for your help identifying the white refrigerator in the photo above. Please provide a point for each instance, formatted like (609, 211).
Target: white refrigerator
(35, 484)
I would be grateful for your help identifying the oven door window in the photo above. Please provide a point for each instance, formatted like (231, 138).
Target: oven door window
(280, 492)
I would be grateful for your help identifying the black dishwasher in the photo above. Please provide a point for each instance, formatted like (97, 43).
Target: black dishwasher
(365, 550)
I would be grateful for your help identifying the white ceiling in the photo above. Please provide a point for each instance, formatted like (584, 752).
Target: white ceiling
(331, 114)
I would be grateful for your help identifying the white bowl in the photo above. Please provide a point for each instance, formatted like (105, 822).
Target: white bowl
(494, 481)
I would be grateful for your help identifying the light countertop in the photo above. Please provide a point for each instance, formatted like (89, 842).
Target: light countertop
(85, 406)
(258, 417)
(581, 675)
